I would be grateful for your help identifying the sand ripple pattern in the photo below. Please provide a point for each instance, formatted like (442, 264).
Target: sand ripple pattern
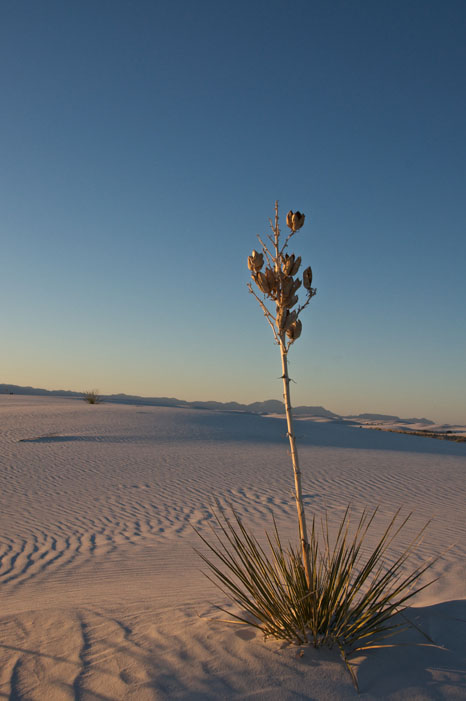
(86, 487)
(100, 586)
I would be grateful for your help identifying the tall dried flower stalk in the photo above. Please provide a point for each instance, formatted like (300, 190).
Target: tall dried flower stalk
(278, 284)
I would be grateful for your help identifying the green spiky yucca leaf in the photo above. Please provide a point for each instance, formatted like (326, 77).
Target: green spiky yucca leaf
(353, 599)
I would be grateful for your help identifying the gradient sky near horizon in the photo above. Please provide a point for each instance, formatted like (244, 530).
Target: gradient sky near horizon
(142, 147)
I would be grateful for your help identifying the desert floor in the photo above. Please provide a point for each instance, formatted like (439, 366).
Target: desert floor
(103, 596)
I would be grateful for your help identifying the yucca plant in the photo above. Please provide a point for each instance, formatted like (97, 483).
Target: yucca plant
(324, 592)
(354, 602)
(92, 396)
(278, 283)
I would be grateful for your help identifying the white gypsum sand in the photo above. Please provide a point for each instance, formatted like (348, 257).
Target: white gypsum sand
(103, 597)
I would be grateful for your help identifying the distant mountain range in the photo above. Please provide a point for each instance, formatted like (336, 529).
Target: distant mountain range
(270, 406)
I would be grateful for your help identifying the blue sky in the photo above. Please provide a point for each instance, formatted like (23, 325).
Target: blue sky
(143, 145)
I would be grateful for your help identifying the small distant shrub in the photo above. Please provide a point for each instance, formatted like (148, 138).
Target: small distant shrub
(92, 396)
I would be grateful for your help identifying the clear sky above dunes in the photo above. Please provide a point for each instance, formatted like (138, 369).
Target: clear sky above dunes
(143, 145)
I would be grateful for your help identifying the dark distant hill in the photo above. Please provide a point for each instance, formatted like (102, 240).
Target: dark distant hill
(387, 417)
(16, 389)
(315, 411)
(270, 406)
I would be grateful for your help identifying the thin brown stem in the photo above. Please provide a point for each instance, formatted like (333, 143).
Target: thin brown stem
(268, 315)
(266, 251)
(303, 536)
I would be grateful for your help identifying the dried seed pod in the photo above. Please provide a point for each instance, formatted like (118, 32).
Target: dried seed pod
(290, 319)
(271, 279)
(290, 301)
(296, 265)
(307, 278)
(287, 286)
(255, 261)
(294, 220)
(261, 282)
(282, 319)
(294, 331)
(298, 220)
(288, 263)
(295, 286)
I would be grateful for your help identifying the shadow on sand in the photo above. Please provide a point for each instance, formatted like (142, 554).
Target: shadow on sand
(180, 425)
(434, 669)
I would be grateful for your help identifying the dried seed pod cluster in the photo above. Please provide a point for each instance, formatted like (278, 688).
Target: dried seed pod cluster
(294, 331)
(255, 261)
(291, 264)
(285, 319)
(278, 281)
(294, 220)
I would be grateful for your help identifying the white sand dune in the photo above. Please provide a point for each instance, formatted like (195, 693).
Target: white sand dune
(102, 594)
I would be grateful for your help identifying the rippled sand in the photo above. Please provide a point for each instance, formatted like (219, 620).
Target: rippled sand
(102, 594)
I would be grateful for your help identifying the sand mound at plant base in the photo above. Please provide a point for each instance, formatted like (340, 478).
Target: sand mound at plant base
(102, 597)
